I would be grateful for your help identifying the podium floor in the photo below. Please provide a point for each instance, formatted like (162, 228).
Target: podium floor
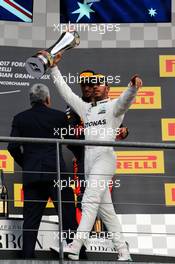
(66, 262)
(7, 257)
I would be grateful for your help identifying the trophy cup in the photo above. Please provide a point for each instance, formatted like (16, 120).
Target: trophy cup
(38, 64)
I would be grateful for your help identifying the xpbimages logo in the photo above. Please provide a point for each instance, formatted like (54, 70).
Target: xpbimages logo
(95, 183)
(101, 28)
(91, 129)
(102, 237)
(75, 79)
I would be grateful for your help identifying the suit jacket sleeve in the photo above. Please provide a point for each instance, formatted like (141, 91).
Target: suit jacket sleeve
(15, 148)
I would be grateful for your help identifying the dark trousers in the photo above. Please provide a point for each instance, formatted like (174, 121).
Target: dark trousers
(33, 211)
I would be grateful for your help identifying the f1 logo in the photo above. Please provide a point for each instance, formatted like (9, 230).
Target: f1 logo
(167, 65)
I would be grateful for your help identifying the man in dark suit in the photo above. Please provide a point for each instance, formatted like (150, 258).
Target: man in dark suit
(38, 162)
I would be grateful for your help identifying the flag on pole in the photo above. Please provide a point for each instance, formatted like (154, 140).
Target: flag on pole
(115, 11)
(18, 10)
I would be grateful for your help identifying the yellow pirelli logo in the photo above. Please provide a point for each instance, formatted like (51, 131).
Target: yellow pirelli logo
(6, 161)
(168, 129)
(167, 65)
(19, 197)
(139, 162)
(170, 194)
(147, 97)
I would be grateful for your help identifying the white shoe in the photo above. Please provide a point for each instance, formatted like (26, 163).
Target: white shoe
(123, 253)
(57, 249)
(72, 250)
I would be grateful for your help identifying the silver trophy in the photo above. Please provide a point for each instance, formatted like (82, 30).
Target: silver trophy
(38, 64)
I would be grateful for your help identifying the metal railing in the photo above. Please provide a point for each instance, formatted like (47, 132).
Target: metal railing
(59, 142)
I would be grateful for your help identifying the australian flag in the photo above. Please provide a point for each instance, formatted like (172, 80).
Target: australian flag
(115, 11)
(18, 10)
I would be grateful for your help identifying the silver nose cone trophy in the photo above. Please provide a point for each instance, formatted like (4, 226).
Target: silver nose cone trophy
(38, 64)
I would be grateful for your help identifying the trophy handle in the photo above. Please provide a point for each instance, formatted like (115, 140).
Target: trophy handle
(47, 56)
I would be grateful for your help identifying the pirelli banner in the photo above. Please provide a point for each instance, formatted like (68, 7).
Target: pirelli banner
(145, 178)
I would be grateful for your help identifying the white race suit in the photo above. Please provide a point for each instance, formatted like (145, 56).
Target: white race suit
(100, 122)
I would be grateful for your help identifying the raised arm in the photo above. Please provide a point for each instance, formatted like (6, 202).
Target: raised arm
(125, 100)
(65, 91)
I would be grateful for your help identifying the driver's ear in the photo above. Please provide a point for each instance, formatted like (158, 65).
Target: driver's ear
(48, 101)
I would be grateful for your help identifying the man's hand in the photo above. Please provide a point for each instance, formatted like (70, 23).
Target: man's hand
(56, 59)
(122, 133)
(136, 81)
